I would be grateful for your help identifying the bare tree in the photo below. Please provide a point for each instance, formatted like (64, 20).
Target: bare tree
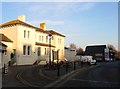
(110, 46)
(80, 51)
(118, 54)
(73, 46)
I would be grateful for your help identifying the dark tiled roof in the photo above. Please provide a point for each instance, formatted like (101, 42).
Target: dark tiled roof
(43, 44)
(91, 50)
(15, 22)
(4, 38)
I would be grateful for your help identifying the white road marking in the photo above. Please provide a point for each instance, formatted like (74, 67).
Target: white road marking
(95, 81)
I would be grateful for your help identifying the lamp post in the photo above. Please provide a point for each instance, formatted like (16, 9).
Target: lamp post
(50, 37)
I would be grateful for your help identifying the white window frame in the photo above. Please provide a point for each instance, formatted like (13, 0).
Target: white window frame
(24, 33)
(26, 50)
(28, 34)
(42, 38)
(46, 39)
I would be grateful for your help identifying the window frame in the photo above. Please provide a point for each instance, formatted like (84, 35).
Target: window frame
(24, 50)
(28, 34)
(24, 33)
(27, 50)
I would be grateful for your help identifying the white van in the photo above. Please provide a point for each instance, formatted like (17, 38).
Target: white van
(88, 59)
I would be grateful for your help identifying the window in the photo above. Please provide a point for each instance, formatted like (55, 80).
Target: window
(59, 41)
(35, 35)
(39, 51)
(46, 39)
(24, 50)
(28, 50)
(42, 38)
(45, 51)
(39, 38)
(24, 33)
(28, 34)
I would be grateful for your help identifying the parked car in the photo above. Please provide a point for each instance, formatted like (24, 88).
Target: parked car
(88, 59)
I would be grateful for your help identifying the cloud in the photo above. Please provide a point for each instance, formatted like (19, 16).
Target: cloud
(48, 22)
(60, 8)
(86, 6)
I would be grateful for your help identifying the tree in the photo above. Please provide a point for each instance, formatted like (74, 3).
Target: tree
(73, 46)
(79, 51)
(118, 55)
(110, 46)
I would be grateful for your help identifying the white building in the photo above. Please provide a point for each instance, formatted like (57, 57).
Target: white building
(70, 54)
(4, 54)
(31, 43)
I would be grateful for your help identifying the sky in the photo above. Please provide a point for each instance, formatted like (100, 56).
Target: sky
(83, 23)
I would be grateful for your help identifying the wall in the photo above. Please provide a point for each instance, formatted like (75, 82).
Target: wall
(25, 59)
(11, 33)
(70, 55)
(59, 46)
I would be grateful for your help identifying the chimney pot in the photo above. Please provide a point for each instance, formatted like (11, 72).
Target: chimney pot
(43, 26)
(21, 18)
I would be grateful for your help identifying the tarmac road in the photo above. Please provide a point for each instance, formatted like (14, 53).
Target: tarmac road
(105, 75)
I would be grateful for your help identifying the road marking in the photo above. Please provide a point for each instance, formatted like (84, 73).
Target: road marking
(24, 81)
(95, 81)
(43, 75)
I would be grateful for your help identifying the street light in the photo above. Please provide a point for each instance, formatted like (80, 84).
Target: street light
(50, 37)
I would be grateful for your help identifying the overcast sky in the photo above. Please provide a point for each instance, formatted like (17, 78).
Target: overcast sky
(83, 23)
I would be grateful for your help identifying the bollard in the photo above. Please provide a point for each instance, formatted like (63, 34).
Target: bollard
(74, 65)
(66, 66)
(5, 68)
(58, 73)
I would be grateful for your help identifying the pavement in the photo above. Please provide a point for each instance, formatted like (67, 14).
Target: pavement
(0, 78)
(37, 76)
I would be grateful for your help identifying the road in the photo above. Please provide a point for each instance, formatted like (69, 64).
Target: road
(105, 75)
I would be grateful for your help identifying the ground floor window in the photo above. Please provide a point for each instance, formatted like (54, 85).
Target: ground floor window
(39, 51)
(26, 50)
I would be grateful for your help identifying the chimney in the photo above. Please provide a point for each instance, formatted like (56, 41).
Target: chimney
(21, 18)
(43, 26)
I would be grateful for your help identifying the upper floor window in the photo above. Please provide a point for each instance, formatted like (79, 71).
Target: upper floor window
(39, 38)
(24, 33)
(46, 39)
(28, 34)
(59, 41)
(42, 38)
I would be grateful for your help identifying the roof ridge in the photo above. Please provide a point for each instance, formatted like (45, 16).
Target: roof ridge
(14, 22)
